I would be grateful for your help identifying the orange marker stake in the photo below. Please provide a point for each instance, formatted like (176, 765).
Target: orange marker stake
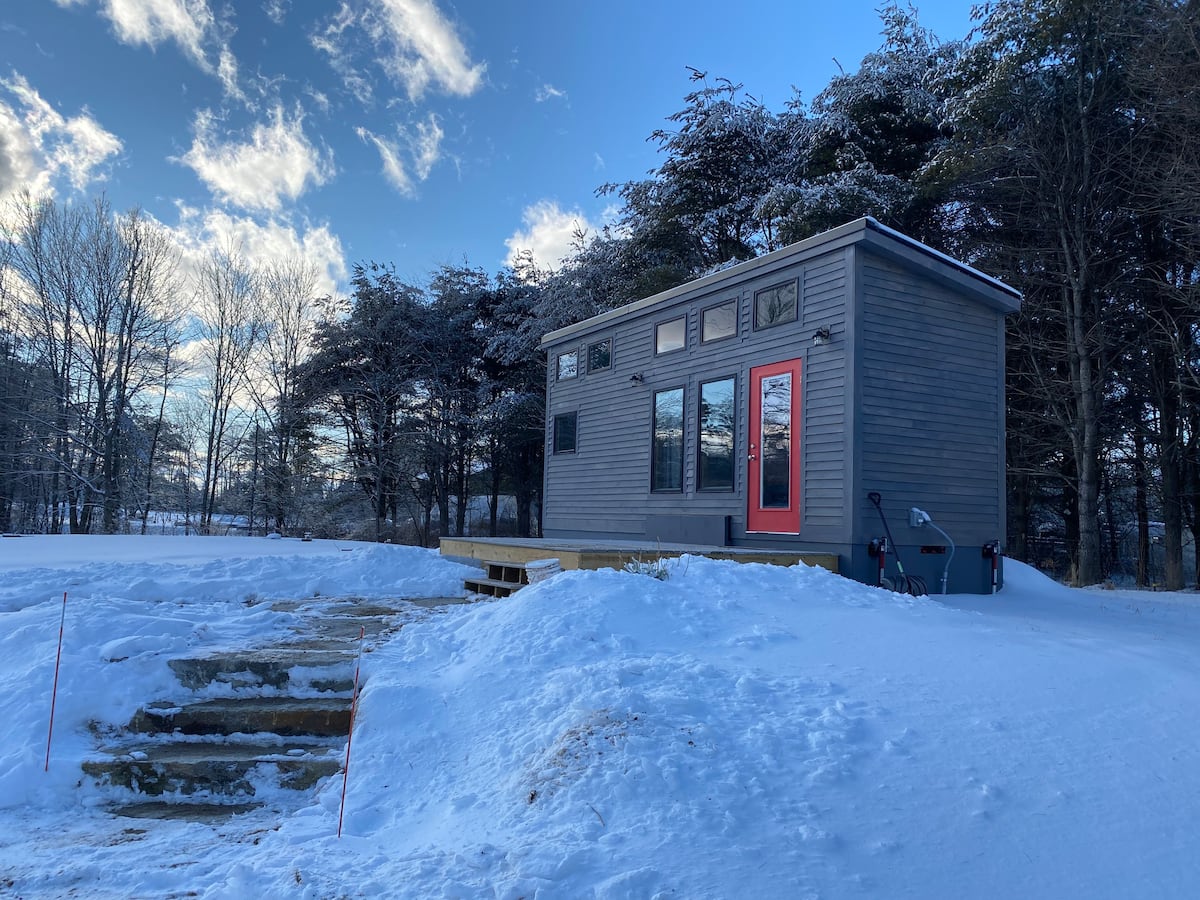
(362, 631)
(54, 692)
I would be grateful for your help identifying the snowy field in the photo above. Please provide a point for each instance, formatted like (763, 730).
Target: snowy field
(732, 731)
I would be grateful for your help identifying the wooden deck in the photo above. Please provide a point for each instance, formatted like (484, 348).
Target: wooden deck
(580, 554)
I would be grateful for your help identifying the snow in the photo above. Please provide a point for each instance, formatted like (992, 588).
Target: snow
(731, 730)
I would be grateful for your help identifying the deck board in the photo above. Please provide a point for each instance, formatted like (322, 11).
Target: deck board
(593, 554)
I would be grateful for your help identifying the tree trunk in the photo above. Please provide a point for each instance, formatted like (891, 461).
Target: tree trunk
(1142, 508)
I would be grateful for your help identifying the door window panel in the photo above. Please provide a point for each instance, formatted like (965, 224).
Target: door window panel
(776, 432)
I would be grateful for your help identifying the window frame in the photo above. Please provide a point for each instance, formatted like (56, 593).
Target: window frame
(654, 468)
(736, 323)
(658, 326)
(588, 356)
(700, 486)
(794, 283)
(555, 450)
(558, 365)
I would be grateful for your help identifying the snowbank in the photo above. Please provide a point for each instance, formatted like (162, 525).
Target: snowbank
(733, 730)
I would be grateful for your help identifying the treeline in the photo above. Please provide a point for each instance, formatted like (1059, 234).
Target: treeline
(135, 379)
(1057, 148)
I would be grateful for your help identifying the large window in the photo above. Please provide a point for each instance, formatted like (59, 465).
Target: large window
(718, 321)
(599, 356)
(670, 335)
(715, 469)
(566, 428)
(666, 459)
(568, 365)
(775, 305)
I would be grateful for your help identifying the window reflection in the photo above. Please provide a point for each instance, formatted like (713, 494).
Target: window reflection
(666, 461)
(715, 471)
(775, 305)
(776, 422)
(670, 335)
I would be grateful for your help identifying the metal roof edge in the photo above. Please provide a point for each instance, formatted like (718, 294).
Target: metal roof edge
(875, 225)
(851, 232)
(708, 281)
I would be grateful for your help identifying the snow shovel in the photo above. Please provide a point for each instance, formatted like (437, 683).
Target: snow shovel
(904, 583)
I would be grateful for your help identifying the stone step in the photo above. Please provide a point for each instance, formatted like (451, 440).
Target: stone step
(345, 606)
(213, 768)
(189, 811)
(270, 667)
(348, 628)
(284, 716)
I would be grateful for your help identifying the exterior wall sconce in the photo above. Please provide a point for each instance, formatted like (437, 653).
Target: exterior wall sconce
(822, 336)
(636, 378)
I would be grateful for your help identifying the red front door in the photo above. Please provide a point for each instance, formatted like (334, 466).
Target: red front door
(774, 452)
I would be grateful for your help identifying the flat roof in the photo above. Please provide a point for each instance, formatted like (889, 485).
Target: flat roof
(866, 229)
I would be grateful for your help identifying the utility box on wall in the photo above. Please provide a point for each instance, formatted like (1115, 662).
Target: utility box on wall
(764, 403)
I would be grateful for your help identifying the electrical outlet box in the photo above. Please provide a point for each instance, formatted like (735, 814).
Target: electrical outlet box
(917, 517)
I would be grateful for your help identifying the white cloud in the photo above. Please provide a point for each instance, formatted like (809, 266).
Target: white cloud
(190, 24)
(548, 92)
(427, 144)
(423, 145)
(549, 233)
(200, 232)
(152, 22)
(339, 50)
(426, 50)
(276, 10)
(393, 167)
(227, 72)
(39, 146)
(413, 43)
(278, 162)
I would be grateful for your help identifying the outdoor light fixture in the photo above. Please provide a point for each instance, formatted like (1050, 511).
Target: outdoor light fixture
(636, 378)
(821, 336)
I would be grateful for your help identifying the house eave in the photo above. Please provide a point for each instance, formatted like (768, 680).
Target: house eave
(877, 236)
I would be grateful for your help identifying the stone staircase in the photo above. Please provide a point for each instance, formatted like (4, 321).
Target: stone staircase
(281, 720)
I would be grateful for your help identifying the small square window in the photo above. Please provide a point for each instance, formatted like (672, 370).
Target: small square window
(599, 356)
(670, 335)
(568, 365)
(566, 428)
(775, 305)
(718, 321)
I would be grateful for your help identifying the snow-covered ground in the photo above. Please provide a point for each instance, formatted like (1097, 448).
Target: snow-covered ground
(732, 731)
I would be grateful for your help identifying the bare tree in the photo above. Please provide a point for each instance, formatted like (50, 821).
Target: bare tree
(127, 328)
(230, 328)
(289, 287)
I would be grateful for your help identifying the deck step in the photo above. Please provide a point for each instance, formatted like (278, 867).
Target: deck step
(491, 587)
(504, 578)
(510, 573)
(213, 768)
(284, 716)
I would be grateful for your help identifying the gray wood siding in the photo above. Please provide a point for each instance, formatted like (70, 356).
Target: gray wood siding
(823, 435)
(604, 487)
(930, 421)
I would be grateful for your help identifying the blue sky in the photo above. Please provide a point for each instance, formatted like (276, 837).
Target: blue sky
(409, 132)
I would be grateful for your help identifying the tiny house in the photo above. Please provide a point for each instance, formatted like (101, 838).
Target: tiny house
(768, 405)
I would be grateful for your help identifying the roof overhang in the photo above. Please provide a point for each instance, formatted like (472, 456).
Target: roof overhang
(873, 235)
